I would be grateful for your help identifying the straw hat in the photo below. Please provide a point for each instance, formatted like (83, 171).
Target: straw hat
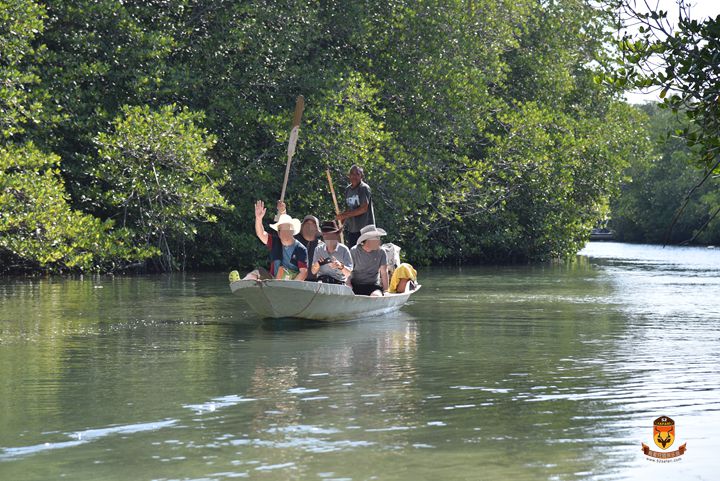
(286, 219)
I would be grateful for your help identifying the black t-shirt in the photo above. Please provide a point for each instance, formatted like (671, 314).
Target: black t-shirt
(354, 199)
(310, 246)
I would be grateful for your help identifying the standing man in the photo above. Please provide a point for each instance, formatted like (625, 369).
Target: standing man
(359, 211)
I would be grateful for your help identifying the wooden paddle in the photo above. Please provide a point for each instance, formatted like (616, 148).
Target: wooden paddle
(337, 208)
(299, 107)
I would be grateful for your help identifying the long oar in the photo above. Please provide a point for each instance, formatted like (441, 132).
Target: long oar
(299, 107)
(337, 208)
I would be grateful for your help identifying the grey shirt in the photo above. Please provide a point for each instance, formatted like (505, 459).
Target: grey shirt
(342, 253)
(355, 198)
(366, 265)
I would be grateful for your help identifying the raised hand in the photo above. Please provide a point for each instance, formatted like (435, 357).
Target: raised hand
(260, 209)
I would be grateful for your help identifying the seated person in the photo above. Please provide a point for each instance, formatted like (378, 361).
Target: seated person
(403, 279)
(403, 276)
(333, 262)
(392, 253)
(369, 275)
(288, 257)
(310, 238)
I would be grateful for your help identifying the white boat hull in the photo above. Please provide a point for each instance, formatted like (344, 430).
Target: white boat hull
(313, 300)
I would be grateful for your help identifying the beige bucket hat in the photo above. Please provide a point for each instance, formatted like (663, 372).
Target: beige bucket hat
(370, 232)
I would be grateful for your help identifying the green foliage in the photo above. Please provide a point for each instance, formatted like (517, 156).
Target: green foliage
(20, 24)
(547, 179)
(38, 229)
(655, 187)
(563, 191)
(101, 55)
(158, 177)
(480, 128)
(680, 60)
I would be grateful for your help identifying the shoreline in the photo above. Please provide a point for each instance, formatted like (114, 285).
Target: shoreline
(437, 265)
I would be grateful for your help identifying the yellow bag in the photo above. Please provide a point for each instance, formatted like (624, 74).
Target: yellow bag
(403, 271)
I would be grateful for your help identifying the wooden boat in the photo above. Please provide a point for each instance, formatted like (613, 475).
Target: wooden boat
(314, 300)
(602, 234)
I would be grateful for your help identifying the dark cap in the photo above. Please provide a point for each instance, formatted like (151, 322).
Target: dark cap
(330, 229)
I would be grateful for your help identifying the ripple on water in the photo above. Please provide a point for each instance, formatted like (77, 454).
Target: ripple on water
(218, 403)
(303, 440)
(301, 390)
(82, 437)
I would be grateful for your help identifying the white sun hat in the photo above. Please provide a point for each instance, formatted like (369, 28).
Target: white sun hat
(286, 219)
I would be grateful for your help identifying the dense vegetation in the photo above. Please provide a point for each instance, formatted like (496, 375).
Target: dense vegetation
(141, 131)
(678, 56)
(655, 187)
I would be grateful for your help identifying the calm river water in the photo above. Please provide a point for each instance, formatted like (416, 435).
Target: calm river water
(547, 372)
